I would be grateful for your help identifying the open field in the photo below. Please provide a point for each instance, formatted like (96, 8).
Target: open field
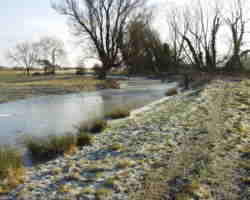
(15, 85)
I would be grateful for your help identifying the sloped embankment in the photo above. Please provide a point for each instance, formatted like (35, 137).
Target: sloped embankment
(212, 159)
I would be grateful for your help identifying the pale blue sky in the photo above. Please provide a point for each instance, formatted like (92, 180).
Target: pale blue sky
(29, 20)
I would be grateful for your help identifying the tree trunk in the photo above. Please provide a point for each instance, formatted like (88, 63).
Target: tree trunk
(28, 71)
(102, 73)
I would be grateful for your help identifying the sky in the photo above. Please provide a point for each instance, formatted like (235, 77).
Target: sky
(23, 20)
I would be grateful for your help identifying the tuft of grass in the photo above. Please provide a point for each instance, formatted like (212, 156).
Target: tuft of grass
(88, 190)
(110, 182)
(118, 114)
(183, 196)
(125, 163)
(84, 139)
(64, 188)
(115, 147)
(245, 149)
(171, 92)
(51, 146)
(111, 84)
(97, 126)
(99, 175)
(192, 187)
(11, 168)
(103, 192)
(10, 160)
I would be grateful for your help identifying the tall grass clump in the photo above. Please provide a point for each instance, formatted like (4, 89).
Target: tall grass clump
(118, 113)
(94, 126)
(10, 159)
(11, 168)
(50, 146)
(84, 138)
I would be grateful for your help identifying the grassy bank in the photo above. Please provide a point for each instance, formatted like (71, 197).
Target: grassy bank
(211, 161)
(15, 85)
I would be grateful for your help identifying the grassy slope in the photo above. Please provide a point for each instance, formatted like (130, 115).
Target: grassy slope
(212, 160)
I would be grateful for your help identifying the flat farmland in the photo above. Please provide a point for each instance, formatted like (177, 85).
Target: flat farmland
(16, 85)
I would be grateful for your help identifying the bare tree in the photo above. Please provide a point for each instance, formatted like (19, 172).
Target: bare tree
(194, 34)
(24, 54)
(177, 32)
(51, 53)
(236, 19)
(102, 22)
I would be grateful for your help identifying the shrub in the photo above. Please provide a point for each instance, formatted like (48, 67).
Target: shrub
(50, 147)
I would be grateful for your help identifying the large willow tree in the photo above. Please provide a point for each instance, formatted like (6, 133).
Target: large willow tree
(102, 23)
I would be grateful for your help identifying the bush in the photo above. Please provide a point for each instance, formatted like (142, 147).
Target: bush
(50, 147)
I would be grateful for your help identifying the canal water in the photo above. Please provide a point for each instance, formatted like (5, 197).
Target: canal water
(58, 114)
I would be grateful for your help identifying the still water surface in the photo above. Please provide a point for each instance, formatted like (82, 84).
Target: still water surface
(56, 114)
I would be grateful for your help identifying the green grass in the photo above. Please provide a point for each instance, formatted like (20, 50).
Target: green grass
(50, 147)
